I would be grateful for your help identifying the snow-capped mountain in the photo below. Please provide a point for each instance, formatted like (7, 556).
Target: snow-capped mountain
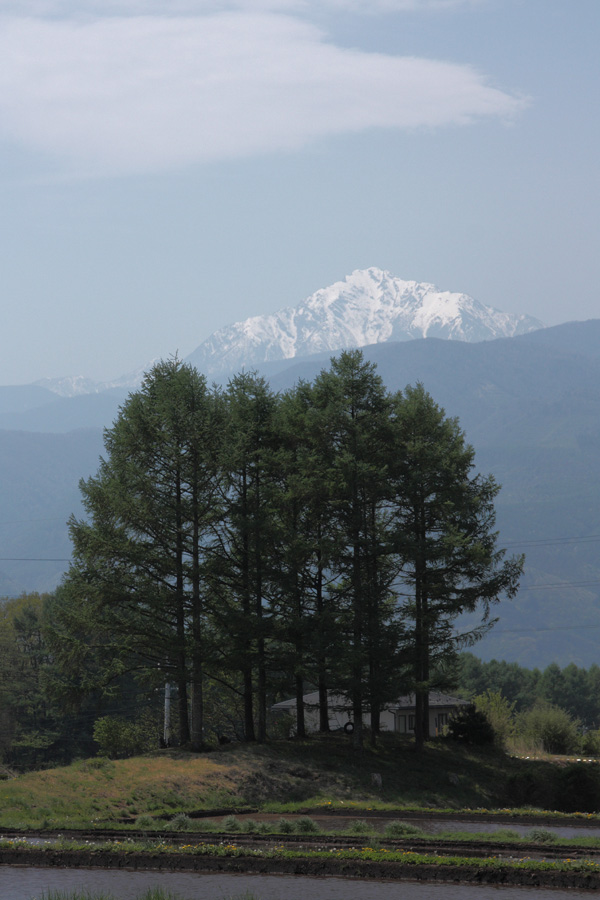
(76, 385)
(69, 386)
(369, 307)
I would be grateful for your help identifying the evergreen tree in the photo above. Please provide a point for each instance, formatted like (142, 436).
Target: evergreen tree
(445, 539)
(241, 555)
(150, 508)
(354, 413)
(305, 619)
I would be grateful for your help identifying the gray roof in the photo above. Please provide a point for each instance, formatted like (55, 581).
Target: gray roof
(436, 699)
(407, 701)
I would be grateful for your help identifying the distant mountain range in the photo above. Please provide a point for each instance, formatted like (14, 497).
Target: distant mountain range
(79, 385)
(369, 307)
(529, 403)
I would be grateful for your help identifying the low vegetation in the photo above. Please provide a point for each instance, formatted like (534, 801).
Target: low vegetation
(175, 790)
(375, 854)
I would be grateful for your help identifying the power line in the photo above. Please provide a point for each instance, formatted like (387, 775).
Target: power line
(559, 584)
(33, 559)
(543, 628)
(30, 521)
(548, 542)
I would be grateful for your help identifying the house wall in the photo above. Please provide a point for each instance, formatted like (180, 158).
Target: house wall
(438, 719)
(401, 721)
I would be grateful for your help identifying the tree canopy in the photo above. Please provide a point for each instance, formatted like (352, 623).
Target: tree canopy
(328, 537)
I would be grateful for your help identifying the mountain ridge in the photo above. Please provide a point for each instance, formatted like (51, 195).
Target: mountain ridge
(370, 306)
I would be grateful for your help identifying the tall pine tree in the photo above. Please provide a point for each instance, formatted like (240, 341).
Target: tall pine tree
(149, 510)
(445, 540)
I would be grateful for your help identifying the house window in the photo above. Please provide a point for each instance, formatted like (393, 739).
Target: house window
(411, 723)
(401, 724)
(441, 722)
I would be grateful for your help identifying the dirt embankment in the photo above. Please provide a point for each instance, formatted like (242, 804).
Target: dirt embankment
(367, 869)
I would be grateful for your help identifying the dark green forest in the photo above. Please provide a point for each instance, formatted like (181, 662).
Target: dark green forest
(243, 545)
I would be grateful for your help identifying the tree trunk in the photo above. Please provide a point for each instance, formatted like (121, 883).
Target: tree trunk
(261, 661)
(249, 733)
(182, 675)
(300, 723)
(321, 655)
(197, 730)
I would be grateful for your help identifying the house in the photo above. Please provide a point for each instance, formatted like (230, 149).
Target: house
(397, 716)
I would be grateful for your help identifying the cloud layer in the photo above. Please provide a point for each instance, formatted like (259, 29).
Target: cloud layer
(197, 7)
(150, 93)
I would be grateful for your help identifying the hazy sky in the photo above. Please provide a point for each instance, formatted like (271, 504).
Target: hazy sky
(170, 166)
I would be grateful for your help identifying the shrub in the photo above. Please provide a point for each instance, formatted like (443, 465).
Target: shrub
(145, 821)
(506, 834)
(550, 728)
(470, 726)
(541, 836)
(118, 738)
(499, 713)
(361, 827)
(285, 826)
(249, 826)
(534, 788)
(402, 829)
(578, 788)
(590, 743)
(230, 823)
(180, 822)
(306, 825)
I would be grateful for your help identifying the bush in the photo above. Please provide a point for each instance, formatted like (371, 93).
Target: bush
(180, 822)
(578, 788)
(590, 743)
(117, 738)
(541, 836)
(285, 826)
(550, 728)
(505, 834)
(361, 827)
(402, 829)
(230, 823)
(145, 821)
(306, 825)
(470, 726)
(499, 713)
(535, 788)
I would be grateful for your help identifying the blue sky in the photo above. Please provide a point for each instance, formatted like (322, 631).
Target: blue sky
(170, 166)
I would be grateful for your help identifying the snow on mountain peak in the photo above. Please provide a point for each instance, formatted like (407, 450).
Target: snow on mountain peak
(370, 306)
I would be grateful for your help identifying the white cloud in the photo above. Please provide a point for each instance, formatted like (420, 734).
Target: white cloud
(152, 93)
(197, 7)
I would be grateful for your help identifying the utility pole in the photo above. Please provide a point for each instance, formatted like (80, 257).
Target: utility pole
(167, 731)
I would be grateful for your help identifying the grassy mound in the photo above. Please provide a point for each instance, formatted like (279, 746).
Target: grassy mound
(279, 777)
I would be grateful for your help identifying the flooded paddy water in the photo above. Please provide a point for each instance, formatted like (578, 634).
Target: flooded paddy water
(432, 825)
(26, 883)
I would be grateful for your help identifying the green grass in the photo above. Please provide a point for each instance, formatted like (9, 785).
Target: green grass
(317, 775)
(371, 853)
